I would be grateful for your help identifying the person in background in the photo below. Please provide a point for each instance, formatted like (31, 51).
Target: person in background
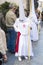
(11, 34)
(3, 45)
(26, 12)
(42, 16)
(34, 23)
(38, 14)
(2, 21)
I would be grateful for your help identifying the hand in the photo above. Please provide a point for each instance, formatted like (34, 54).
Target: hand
(5, 58)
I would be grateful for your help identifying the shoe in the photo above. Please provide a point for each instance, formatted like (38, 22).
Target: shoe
(16, 54)
(26, 57)
(19, 58)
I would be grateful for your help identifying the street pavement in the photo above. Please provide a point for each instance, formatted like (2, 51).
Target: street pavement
(38, 54)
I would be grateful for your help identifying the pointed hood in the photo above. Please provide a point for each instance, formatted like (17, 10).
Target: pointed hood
(32, 8)
(21, 10)
(32, 11)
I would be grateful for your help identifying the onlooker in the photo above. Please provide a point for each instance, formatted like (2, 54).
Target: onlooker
(10, 19)
(42, 16)
(3, 46)
(26, 12)
(17, 12)
(2, 23)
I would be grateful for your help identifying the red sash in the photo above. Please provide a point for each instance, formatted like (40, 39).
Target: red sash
(17, 42)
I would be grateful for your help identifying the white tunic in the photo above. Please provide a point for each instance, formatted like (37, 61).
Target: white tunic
(23, 27)
(34, 31)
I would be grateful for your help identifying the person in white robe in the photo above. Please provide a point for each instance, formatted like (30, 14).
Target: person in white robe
(23, 26)
(34, 22)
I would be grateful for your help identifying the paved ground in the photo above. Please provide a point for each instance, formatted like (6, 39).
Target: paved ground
(38, 54)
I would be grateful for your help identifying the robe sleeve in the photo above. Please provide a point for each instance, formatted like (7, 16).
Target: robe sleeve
(16, 26)
(35, 20)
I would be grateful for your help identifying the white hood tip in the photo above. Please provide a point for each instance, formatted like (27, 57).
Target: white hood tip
(21, 10)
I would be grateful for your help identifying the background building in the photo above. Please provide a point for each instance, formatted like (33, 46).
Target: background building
(13, 1)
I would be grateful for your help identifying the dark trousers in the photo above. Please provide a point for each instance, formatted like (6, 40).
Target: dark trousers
(11, 39)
